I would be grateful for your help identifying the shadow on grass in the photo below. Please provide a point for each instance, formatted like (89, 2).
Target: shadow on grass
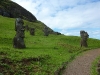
(54, 48)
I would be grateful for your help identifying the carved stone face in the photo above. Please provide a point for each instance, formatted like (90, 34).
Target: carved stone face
(19, 24)
(84, 34)
(19, 27)
(19, 21)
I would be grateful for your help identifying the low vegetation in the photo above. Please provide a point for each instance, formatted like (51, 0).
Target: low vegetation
(43, 55)
(95, 66)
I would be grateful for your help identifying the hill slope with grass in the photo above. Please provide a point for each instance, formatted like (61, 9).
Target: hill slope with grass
(42, 55)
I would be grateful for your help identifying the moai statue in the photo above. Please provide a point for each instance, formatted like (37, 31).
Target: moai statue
(46, 32)
(18, 40)
(1, 12)
(84, 36)
(27, 28)
(32, 31)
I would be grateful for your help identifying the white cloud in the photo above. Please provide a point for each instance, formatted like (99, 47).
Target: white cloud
(96, 32)
(65, 14)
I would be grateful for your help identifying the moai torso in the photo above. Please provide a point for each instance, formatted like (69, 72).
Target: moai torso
(46, 32)
(84, 36)
(18, 41)
(32, 31)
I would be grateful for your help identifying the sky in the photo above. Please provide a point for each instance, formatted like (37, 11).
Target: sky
(67, 16)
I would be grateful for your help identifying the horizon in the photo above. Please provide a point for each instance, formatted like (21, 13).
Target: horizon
(67, 17)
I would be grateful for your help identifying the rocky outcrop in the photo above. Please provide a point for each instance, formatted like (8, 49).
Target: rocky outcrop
(13, 10)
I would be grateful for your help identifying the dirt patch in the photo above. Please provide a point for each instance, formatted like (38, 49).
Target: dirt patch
(26, 66)
(6, 61)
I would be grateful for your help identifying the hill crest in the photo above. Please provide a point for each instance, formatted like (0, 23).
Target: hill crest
(14, 10)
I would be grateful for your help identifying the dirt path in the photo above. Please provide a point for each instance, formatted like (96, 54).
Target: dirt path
(82, 64)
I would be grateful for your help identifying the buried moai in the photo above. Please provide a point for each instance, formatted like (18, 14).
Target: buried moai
(32, 31)
(27, 28)
(46, 32)
(18, 40)
(84, 36)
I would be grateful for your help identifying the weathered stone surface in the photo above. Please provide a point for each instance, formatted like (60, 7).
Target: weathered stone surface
(46, 32)
(27, 28)
(6, 14)
(1, 12)
(18, 40)
(84, 36)
(32, 31)
(15, 10)
(19, 24)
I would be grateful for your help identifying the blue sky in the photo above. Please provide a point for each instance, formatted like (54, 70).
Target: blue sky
(67, 16)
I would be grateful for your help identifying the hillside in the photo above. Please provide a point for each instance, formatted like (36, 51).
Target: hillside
(13, 10)
(42, 55)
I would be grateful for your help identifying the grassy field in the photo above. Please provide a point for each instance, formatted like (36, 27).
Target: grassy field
(95, 66)
(42, 56)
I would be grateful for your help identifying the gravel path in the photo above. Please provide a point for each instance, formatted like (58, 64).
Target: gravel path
(82, 64)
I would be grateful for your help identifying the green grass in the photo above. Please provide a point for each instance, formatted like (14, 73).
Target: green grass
(95, 66)
(43, 55)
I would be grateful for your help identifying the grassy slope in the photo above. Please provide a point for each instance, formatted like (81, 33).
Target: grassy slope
(43, 55)
(95, 66)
